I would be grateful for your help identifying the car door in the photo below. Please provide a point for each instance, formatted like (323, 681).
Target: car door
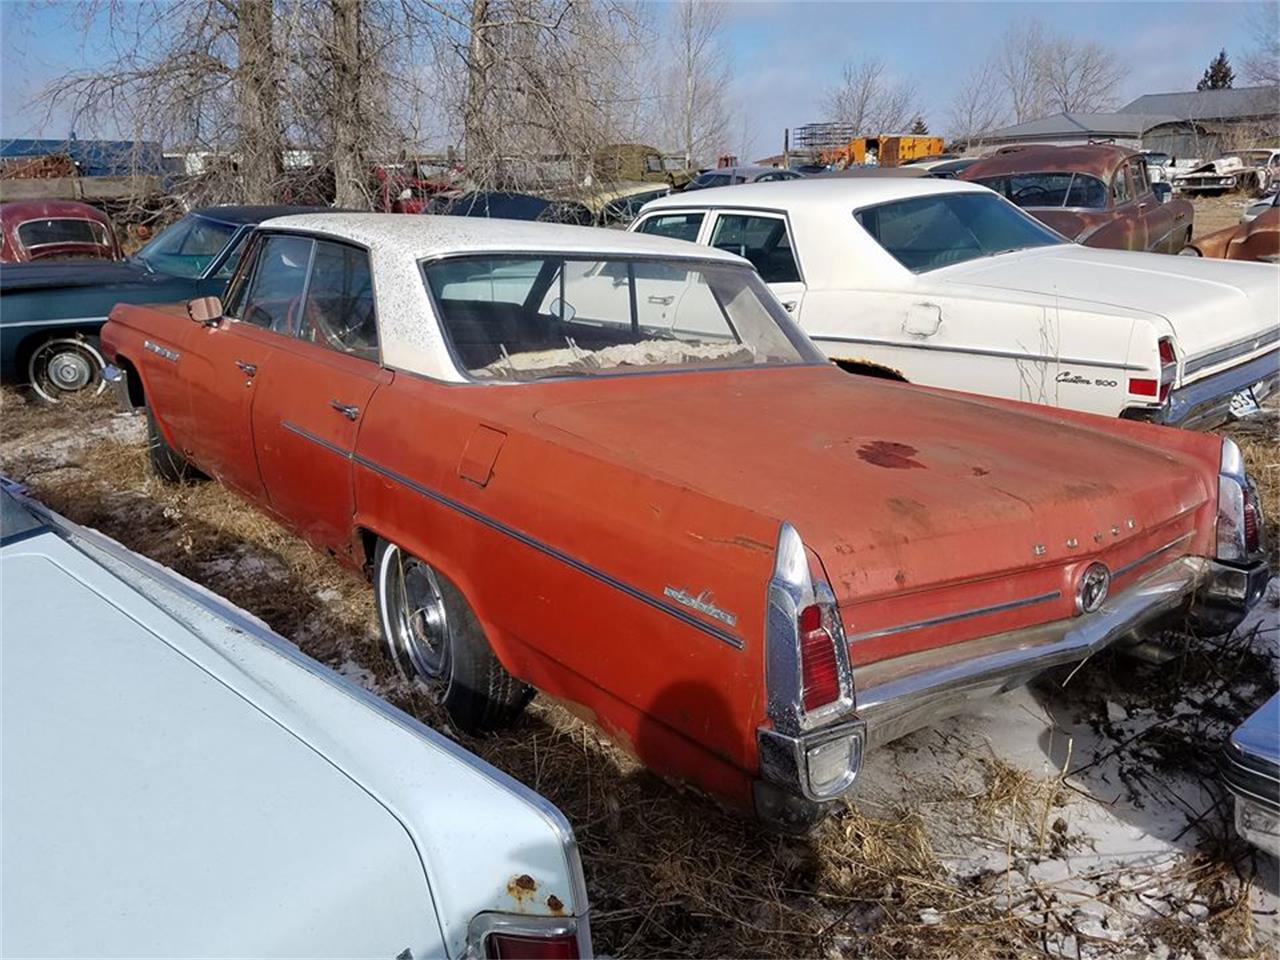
(227, 359)
(765, 240)
(1128, 227)
(1157, 218)
(309, 404)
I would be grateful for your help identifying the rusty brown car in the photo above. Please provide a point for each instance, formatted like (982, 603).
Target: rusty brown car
(1096, 194)
(1257, 238)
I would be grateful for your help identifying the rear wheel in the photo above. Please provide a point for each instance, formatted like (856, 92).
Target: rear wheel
(433, 637)
(167, 462)
(62, 368)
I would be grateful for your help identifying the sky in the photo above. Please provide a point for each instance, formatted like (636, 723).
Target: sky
(784, 55)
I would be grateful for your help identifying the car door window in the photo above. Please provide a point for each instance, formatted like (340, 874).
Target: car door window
(679, 226)
(273, 299)
(763, 240)
(1141, 186)
(339, 308)
(1120, 186)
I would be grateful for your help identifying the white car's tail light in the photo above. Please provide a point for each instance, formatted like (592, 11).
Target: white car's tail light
(517, 946)
(1239, 512)
(1153, 388)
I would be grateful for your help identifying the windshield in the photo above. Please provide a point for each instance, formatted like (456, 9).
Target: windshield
(925, 233)
(188, 247)
(1050, 189)
(534, 317)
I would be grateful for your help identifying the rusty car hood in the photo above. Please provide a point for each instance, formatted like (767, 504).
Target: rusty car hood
(1207, 304)
(896, 487)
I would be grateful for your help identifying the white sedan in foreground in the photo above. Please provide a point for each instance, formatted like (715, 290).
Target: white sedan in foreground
(180, 781)
(945, 283)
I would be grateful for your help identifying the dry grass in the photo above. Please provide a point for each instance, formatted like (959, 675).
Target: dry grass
(1215, 213)
(669, 873)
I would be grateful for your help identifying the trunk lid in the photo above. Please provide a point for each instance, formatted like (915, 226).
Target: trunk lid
(897, 488)
(1218, 311)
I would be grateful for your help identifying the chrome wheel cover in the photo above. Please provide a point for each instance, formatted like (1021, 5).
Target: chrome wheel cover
(415, 616)
(59, 368)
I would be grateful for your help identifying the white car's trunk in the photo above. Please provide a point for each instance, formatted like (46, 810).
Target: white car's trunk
(1219, 312)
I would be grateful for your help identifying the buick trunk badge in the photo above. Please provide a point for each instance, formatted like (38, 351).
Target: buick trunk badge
(1093, 587)
(702, 603)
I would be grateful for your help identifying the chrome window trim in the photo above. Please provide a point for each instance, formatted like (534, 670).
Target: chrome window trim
(106, 240)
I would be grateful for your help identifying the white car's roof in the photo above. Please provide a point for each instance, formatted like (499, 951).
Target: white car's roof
(424, 236)
(809, 192)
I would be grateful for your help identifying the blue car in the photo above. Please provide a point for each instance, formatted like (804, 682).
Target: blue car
(50, 312)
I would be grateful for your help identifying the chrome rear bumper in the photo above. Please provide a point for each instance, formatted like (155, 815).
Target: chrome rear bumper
(897, 696)
(1207, 402)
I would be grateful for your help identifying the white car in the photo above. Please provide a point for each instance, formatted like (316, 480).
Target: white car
(945, 283)
(180, 781)
(1252, 171)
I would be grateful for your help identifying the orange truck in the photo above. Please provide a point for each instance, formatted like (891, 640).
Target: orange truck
(886, 150)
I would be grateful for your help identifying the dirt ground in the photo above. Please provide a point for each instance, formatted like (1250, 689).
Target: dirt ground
(1081, 817)
(1215, 213)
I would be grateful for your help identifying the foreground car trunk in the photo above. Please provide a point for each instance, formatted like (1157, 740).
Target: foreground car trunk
(917, 502)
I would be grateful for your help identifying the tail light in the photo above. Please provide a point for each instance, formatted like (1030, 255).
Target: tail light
(519, 946)
(1158, 389)
(1239, 512)
(819, 668)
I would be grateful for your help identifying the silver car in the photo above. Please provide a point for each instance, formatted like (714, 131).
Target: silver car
(178, 780)
(1251, 771)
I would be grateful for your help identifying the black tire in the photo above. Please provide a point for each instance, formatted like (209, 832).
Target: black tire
(478, 692)
(167, 463)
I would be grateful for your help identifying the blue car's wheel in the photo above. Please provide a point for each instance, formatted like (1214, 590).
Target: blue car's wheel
(64, 367)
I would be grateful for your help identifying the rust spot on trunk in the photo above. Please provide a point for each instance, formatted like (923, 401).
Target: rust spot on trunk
(521, 889)
(555, 905)
(886, 453)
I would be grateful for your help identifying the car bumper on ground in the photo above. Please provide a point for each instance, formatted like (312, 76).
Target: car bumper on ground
(118, 380)
(1207, 402)
(897, 696)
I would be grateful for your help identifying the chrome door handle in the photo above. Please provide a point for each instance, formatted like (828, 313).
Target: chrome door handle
(348, 410)
(248, 369)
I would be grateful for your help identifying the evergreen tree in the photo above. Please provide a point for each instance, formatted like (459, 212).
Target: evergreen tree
(1219, 76)
(919, 128)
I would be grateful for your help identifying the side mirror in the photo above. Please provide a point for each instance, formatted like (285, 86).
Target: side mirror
(206, 311)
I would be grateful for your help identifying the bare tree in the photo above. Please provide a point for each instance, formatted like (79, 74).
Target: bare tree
(870, 100)
(702, 76)
(256, 80)
(1262, 62)
(1044, 73)
(977, 107)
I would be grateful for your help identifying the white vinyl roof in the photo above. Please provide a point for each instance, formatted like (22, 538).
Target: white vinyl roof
(409, 334)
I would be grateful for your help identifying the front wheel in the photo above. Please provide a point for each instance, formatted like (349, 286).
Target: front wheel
(64, 367)
(433, 637)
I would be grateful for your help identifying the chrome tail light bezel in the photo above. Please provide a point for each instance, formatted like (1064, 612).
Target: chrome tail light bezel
(1237, 495)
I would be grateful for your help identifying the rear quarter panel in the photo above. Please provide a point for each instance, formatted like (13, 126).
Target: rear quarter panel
(563, 553)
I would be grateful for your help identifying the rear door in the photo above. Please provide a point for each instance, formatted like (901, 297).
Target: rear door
(1129, 228)
(228, 361)
(310, 402)
(765, 240)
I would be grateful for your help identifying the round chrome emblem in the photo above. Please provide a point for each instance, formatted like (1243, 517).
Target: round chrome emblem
(1093, 587)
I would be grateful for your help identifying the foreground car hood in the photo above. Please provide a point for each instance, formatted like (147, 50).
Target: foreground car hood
(895, 487)
(1207, 304)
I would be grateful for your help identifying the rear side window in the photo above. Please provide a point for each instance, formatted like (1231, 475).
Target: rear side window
(273, 299)
(762, 240)
(679, 226)
(339, 310)
(1120, 187)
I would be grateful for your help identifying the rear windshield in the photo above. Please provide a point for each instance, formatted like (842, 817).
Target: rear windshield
(925, 233)
(534, 317)
(39, 233)
(1050, 190)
